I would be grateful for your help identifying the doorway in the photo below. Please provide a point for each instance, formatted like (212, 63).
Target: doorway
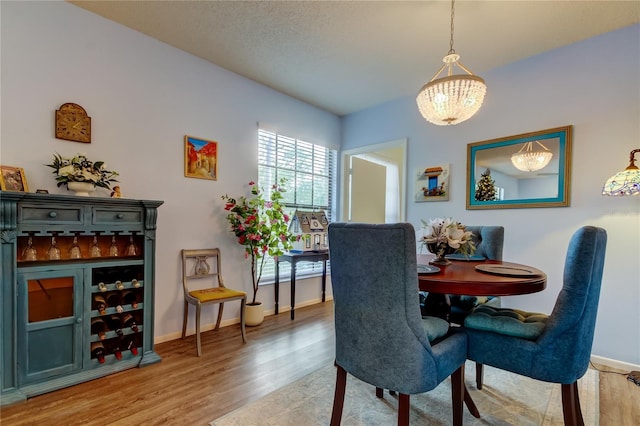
(374, 183)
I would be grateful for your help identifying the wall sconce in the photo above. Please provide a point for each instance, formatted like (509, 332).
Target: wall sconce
(626, 182)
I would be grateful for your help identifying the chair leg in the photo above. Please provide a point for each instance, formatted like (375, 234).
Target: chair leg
(219, 316)
(184, 319)
(457, 395)
(403, 409)
(338, 397)
(198, 329)
(571, 405)
(479, 373)
(379, 392)
(242, 309)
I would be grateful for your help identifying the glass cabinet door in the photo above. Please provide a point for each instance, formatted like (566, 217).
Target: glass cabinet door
(49, 323)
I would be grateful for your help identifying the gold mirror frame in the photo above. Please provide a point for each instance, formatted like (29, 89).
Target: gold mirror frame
(515, 189)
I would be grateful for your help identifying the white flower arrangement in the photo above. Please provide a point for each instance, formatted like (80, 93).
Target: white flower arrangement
(81, 169)
(443, 236)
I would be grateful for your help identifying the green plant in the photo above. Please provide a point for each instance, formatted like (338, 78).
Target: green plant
(261, 226)
(81, 169)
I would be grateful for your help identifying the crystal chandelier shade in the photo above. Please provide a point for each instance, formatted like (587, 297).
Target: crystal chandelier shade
(626, 182)
(454, 98)
(528, 160)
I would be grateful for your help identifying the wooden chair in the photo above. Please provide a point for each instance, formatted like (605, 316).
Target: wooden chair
(195, 267)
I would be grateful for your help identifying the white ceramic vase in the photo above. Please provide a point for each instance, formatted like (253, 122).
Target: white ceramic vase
(253, 314)
(82, 189)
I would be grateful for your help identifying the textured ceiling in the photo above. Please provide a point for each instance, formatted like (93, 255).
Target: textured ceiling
(344, 56)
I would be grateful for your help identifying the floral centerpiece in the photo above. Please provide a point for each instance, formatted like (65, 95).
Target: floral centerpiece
(446, 236)
(81, 169)
(261, 226)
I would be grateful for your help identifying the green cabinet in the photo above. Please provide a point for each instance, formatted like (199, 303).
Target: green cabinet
(77, 290)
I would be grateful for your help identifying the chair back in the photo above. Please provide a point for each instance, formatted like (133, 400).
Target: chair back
(489, 240)
(203, 265)
(568, 336)
(379, 335)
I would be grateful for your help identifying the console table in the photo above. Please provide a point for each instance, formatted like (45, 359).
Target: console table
(293, 259)
(77, 292)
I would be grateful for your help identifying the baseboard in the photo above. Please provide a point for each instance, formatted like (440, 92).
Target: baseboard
(613, 363)
(231, 321)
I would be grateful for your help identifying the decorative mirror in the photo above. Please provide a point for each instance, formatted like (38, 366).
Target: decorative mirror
(520, 171)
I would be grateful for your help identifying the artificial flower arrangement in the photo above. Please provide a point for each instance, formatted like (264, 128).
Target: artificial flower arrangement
(446, 236)
(81, 169)
(261, 226)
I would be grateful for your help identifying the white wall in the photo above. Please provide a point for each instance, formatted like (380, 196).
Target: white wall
(593, 85)
(143, 96)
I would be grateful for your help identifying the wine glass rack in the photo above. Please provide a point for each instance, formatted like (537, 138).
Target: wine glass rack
(84, 311)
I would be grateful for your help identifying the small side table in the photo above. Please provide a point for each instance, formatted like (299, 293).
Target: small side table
(293, 259)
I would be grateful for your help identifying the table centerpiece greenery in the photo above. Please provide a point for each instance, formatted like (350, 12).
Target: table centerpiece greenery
(446, 236)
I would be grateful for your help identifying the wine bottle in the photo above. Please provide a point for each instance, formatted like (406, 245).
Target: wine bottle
(115, 348)
(131, 345)
(100, 304)
(115, 324)
(119, 285)
(115, 301)
(97, 351)
(98, 327)
(129, 321)
(130, 298)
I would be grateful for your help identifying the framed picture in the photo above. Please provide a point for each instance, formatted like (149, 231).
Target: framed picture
(200, 158)
(13, 179)
(432, 184)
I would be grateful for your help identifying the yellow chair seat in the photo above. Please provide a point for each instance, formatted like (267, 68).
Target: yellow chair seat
(217, 293)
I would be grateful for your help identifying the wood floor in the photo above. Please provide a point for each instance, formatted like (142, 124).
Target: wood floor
(186, 390)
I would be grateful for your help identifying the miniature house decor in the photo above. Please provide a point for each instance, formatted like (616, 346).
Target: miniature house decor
(312, 227)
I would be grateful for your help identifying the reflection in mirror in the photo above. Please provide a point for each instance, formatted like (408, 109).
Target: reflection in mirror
(521, 171)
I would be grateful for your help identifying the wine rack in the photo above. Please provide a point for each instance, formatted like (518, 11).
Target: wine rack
(82, 272)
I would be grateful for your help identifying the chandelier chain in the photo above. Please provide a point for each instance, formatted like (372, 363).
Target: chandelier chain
(452, 16)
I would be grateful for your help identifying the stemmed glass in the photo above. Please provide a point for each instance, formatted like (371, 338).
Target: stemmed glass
(74, 251)
(132, 250)
(54, 251)
(95, 250)
(29, 252)
(113, 248)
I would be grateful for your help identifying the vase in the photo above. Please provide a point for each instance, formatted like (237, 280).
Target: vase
(253, 314)
(440, 250)
(82, 189)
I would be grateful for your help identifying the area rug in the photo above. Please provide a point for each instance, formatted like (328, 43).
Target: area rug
(506, 399)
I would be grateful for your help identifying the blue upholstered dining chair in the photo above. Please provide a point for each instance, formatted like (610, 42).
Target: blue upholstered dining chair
(381, 337)
(554, 348)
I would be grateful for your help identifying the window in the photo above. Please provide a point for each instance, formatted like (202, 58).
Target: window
(310, 171)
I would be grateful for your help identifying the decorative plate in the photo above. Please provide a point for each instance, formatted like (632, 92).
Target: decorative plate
(508, 271)
(460, 256)
(427, 269)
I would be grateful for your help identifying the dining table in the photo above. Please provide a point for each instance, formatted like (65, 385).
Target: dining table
(473, 276)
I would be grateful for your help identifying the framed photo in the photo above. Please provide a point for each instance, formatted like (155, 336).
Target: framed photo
(432, 184)
(200, 158)
(13, 179)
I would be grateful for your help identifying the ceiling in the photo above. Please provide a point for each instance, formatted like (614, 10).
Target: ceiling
(345, 56)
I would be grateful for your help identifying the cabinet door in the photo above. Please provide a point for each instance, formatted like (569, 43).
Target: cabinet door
(50, 308)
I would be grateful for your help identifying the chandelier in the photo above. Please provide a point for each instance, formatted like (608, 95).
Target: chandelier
(626, 182)
(454, 98)
(529, 160)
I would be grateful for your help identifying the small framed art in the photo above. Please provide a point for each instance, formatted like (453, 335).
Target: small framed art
(200, 158)
(432, 183)
(13, 179)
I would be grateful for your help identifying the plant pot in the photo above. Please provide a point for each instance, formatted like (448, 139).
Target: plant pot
(82, 189)
(253, 314)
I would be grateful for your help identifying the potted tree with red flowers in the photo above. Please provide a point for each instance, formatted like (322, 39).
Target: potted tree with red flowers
(260, 224)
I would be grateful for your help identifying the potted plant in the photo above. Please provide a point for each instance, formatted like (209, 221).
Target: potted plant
(80, 174)
(446, 236)
(261, 226)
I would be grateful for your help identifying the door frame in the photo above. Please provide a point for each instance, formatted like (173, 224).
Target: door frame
(345, 181)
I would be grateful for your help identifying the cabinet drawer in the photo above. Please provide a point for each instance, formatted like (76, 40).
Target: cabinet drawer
(106, 216)
(49, 215)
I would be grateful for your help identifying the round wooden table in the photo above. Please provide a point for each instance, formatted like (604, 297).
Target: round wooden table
(462, 277)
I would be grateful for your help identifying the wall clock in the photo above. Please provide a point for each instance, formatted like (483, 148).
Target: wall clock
(73, 123)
